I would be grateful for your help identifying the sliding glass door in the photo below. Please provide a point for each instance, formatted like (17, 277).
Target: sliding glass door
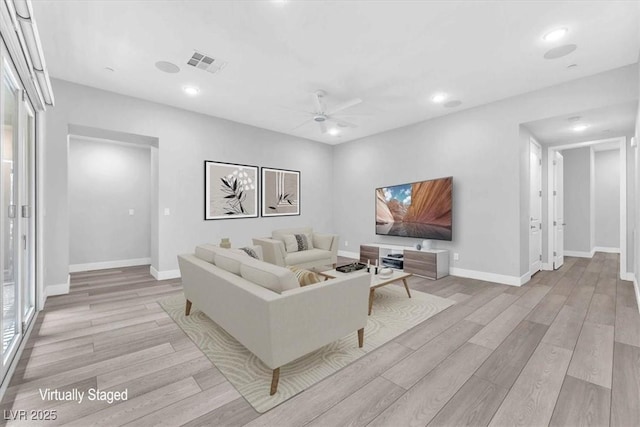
(17, 219)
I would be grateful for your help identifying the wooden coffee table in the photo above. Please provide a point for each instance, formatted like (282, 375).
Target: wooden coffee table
(376, 280)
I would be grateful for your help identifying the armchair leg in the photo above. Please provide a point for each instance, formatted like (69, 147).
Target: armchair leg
(274, 381)
(360, 337)
(187, 308)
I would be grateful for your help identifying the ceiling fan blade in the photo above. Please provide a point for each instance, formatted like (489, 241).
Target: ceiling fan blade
(303, 123)
(317, 101)
(323, 127)
(343, 123)
(293, 110)
(345, 105)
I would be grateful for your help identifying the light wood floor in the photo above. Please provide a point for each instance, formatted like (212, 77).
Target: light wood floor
(562, 350)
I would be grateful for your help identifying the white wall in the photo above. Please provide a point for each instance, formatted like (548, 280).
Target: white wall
(607, 199)
(186, 139)
(577, 200)
(105, 181)
(484, 152)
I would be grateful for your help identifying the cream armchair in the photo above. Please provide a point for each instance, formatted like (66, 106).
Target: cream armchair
(324, 251)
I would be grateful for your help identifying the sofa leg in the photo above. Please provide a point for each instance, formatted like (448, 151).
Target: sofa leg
(360, 337)
(187, 308)
(274, 381)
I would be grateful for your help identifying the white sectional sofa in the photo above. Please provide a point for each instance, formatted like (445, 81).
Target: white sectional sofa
(263, 307)
(323, 248)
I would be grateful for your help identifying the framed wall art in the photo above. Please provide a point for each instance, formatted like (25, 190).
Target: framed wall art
(230, 190)
(280, 192)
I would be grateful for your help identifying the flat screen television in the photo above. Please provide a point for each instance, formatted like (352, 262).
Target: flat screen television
(418, 209)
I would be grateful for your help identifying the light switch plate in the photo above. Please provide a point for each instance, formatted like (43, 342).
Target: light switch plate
(132, 211)
(167, 212)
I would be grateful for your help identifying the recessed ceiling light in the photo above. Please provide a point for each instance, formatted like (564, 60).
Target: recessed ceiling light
(572, 66)
(439, 97)
(580, 128)
(109, 69)
(279, 2)
(555, 35)
(333, 132)
(191, 90)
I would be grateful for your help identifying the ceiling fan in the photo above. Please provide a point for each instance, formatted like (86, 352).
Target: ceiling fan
(322, 115)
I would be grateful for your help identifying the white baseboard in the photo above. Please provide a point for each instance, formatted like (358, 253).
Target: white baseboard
(60, 289)
(627, 276)
(164, 275)
(75, 268)
(547, 266)
(579, 254)
(606, 250)
(347, 254)
(491, 277)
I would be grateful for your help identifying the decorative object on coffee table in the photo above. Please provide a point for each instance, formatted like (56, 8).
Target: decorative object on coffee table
(231, 190)
(225, 243)
(280, 192)
(348, 268)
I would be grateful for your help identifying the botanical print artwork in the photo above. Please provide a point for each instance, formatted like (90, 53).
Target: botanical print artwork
(280, 192)
(231, 190)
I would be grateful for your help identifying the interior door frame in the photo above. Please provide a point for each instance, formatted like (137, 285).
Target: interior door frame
(622, 142)
(532, 141)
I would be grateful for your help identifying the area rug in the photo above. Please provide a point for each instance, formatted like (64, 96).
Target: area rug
(393, 313)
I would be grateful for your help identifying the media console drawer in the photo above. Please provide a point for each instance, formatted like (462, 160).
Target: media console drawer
(369, 253)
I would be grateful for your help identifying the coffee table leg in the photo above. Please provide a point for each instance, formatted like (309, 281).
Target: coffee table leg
(371, 295)
(406, 287)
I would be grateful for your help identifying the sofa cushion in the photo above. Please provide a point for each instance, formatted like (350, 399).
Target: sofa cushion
(322, 241)
(207, 252)
(308, 256)
(305, 277)
(273, 277)
(297, 242)
(230, 261)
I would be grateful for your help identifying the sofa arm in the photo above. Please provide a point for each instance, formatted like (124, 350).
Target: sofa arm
(307, 318)
(272, 250)
(333, 248)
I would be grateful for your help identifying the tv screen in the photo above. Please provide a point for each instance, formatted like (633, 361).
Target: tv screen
(419, 209)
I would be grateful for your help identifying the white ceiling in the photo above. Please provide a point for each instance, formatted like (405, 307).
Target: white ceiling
(394, 55)
(605, 122)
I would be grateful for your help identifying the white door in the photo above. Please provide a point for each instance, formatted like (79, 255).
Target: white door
(535, 208)
(558, 210)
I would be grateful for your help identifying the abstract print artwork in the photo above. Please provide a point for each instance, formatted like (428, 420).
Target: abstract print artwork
(280, 192)
(231, 190)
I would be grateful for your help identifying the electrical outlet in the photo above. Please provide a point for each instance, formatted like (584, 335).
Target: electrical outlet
(346, 243)
(456, 256)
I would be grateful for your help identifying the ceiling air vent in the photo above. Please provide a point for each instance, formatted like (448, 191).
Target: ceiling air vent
(206, 62)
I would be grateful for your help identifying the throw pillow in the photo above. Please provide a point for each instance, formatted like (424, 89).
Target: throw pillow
(250, 252)
(297, 242)
(305, 277)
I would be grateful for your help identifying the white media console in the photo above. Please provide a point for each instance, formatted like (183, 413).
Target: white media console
(429, 263)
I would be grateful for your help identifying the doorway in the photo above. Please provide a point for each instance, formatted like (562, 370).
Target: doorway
(556, 209)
